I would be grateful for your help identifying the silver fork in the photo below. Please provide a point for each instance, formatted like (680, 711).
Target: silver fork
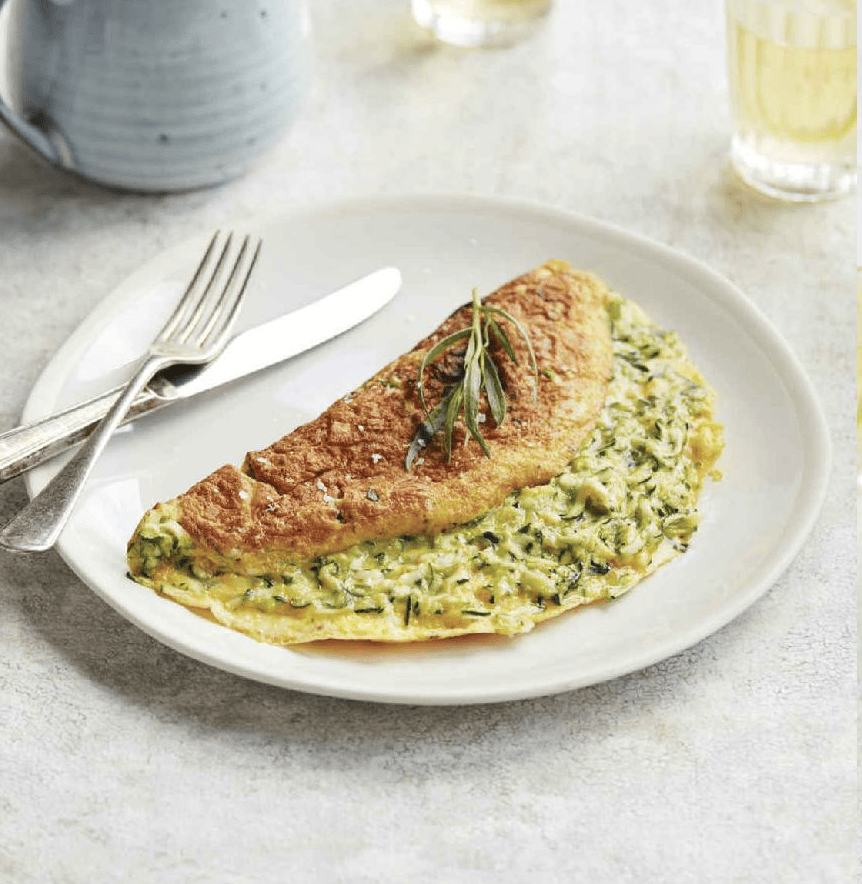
(196, 332)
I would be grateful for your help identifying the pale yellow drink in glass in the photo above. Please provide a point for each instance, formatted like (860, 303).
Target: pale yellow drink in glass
(859, 376)
(792, 79)
(479, 22)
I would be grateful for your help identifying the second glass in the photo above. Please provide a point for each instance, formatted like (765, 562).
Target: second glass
(472, 23)
(792, 76)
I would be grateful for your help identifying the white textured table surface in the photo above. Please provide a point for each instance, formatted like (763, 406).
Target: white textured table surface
(121, 760)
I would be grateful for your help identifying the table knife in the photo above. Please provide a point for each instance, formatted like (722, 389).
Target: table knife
(27, 446)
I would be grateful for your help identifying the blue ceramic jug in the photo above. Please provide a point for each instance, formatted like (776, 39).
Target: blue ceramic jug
(160, 95)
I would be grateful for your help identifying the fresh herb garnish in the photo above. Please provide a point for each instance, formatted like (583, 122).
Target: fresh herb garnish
(478, 372)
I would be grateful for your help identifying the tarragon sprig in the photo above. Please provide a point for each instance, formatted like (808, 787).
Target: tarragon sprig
(478, 372)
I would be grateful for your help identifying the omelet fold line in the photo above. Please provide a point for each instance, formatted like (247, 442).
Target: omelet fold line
(340, 479)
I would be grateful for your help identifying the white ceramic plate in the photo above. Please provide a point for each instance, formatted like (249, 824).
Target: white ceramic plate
(775, 463)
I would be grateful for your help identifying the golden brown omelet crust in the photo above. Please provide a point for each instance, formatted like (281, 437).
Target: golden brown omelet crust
(340, 479)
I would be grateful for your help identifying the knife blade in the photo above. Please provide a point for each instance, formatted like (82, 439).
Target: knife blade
(27, 446)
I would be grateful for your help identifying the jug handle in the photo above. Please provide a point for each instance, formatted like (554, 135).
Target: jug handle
(32, 136)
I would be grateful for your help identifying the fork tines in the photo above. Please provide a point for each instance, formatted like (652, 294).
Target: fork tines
(199, 314)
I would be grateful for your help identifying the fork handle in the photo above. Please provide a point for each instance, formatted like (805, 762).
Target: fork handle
(39, 524)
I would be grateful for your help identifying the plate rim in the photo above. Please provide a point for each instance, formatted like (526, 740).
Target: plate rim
(813, 430)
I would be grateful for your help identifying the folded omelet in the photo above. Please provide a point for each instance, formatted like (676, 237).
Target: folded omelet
(591, 483)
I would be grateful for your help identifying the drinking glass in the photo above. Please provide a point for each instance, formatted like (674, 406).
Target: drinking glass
(792, 79)
(479, 22)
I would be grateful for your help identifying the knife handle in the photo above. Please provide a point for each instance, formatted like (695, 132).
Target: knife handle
(27, 446)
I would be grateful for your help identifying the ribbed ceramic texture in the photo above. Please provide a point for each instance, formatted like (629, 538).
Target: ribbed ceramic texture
(161, 95)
